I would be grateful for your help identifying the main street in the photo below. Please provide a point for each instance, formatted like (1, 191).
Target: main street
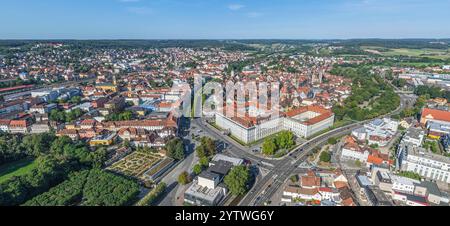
(235, 149)
(174, 189)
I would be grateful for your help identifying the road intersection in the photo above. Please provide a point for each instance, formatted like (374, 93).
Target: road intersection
(279, 170)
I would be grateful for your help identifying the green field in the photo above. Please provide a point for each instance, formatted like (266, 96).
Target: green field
(431, 53)
(18, 168)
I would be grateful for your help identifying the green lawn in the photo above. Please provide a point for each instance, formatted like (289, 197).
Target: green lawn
(18, 168)
(431, 53)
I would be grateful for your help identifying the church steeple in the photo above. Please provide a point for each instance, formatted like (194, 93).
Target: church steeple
(115, 80)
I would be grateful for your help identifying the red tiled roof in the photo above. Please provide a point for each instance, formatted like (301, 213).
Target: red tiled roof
(15, 88)
(428, 113)
(324, 114)
(5, 121)
(18, 123)
(378, 158)
(87, 122)
(323, 189)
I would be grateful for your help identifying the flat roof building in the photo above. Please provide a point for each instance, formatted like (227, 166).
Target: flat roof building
(205, 191)
(421, 161)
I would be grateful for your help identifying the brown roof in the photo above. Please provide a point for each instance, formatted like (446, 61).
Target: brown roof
(5, 121)
(348, 202)
(310, 181)
(165, 105)
(132, 131)
(68, 132)
(303, 191)
(324, 114)
(345, 193)
(340, 184)
(88, 122)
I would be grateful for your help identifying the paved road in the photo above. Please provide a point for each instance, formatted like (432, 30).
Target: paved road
(235, 149)
(266, 188)
(174, 190)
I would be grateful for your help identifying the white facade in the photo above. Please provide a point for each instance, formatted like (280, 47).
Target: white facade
(404, 198)
(252, 134)
(19, 130)
(270, 127)
(40, 128)
(403, 184)
(204, 196)
(43, 109)
(333, 196)
(414, 137)
(4, 128)
(48, 95)
(208, 182)
(424, 163)
(298, 195)
(361, 156)
(360, 134)
(302, 130)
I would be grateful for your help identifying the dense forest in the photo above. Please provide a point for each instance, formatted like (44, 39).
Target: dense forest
(432, 92)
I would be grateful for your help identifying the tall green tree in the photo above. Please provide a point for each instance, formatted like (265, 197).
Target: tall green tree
(285, 139)
(238, 180)
(175, 149)
(184, 178)
(269, 147)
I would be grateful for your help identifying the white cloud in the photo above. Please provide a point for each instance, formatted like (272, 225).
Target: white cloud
(235, 7)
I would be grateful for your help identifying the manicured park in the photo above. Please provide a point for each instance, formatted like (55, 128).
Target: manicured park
(136, 164)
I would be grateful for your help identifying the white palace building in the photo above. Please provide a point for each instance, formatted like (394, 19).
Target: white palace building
(303, 122)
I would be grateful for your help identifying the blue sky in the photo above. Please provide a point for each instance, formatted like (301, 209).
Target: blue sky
(223, 19)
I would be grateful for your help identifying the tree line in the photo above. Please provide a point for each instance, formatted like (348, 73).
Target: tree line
(90, 188)
(432, 92)
(55, 157)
